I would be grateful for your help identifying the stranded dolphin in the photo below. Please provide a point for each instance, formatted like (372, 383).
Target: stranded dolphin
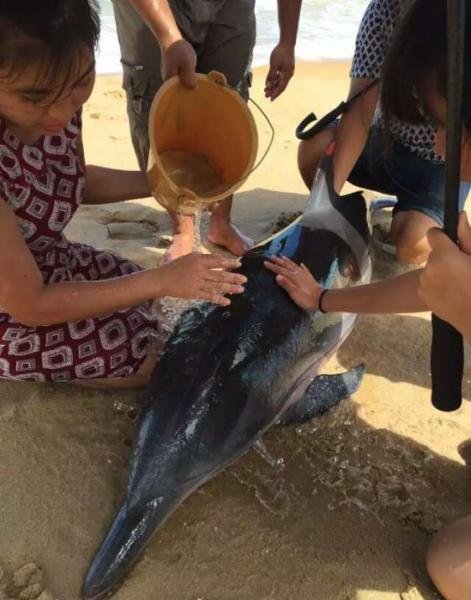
(227, 374)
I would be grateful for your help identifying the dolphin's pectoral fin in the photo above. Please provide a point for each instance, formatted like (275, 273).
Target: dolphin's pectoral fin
(325, 392)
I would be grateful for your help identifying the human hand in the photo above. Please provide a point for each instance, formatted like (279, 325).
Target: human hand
(179, 58)
(194, 276)
(297, 281)
(444, 284)
(281, 70)
(464, 233)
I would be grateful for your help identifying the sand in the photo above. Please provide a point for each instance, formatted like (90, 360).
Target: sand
(363, 488)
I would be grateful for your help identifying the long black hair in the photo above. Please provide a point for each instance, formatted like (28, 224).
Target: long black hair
(51, 34)
(416, 64)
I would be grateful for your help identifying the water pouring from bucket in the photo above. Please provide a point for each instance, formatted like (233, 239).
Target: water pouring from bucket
(203, 143)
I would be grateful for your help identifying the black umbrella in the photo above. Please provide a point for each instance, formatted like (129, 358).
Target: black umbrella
(447, 343)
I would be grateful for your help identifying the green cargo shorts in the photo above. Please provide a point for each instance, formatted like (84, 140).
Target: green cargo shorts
(222, 33)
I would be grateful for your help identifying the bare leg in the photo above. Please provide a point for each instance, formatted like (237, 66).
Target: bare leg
(409, 235)
(449, 560)
(138, 380)
(183, 236)
(310, 152)
(223, 233)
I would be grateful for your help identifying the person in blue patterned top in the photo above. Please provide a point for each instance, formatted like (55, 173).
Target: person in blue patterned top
(415, 91)
(392, 157)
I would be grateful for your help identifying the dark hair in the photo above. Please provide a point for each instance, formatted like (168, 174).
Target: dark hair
(416, 63)
(50, 33)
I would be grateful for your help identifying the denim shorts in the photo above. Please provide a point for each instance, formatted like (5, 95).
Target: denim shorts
(393, 169)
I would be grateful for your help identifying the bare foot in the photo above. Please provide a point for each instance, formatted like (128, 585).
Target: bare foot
(181, 245)
(228, 236)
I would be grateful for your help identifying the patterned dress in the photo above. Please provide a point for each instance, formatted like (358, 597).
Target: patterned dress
(43, 183)
(374, 38)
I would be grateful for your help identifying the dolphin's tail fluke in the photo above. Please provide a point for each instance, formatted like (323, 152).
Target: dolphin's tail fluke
(128, 536)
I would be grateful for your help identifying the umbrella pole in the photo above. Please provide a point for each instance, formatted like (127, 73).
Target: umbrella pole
(447, 343)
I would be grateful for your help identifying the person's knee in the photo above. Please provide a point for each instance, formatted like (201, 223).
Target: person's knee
(306, 164)
(409, 235)
(310, 152)
(411, 252)
(449, 562)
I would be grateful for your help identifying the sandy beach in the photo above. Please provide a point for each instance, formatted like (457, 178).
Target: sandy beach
(363, 489)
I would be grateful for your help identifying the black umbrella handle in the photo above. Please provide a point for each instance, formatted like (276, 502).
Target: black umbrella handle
(447, 343)
(447, 366)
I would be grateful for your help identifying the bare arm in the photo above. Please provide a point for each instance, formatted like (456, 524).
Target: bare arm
(24, 295)
(104, 185)
(397, 294)
(27, 299)
(178, 56)
(352, 132)
(282, 61)
(288, 18)
(394, 295)
(159, 18)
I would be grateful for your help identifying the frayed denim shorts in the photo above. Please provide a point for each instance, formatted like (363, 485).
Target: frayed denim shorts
(393, 169)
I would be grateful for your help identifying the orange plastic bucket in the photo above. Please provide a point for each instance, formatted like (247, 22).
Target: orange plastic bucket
(203, 143)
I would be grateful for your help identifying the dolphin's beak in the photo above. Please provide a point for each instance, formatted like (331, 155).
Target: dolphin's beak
(129, 534)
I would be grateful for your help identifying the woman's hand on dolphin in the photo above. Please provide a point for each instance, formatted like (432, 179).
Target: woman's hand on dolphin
(201, 277)
(297, 281)
(444, 283)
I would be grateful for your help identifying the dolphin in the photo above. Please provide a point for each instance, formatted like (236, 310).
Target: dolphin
(227, 374)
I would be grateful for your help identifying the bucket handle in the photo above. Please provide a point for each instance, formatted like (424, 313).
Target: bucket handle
(220, 79)
(272, 136)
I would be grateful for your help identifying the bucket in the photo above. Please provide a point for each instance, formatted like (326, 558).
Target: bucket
(203, 143)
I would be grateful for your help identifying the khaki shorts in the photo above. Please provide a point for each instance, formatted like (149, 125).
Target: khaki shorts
(222, 33)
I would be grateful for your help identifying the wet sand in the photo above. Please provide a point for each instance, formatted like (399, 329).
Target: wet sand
(363, 488)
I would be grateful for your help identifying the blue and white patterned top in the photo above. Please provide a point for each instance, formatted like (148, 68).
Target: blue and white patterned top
(373, 41)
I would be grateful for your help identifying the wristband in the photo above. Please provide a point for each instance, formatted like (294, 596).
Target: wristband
(319, 303)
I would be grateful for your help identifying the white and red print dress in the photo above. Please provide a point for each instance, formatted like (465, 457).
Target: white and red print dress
(43, 183)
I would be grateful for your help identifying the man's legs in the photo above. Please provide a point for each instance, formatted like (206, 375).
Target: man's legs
(140, 56)
(228, 48)
(142, 78)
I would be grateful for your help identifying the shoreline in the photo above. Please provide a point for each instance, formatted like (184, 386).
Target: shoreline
(260, 66)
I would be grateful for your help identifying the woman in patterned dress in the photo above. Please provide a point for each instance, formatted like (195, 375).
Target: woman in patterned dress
(415, 70)
(69, 311)
(404, 163)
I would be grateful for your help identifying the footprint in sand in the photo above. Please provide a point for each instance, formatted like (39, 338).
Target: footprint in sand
(26, 583)
(164, 241)
(131, 231)
(114, 94)
(97, 115)
(284, 219)
(126, 214)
